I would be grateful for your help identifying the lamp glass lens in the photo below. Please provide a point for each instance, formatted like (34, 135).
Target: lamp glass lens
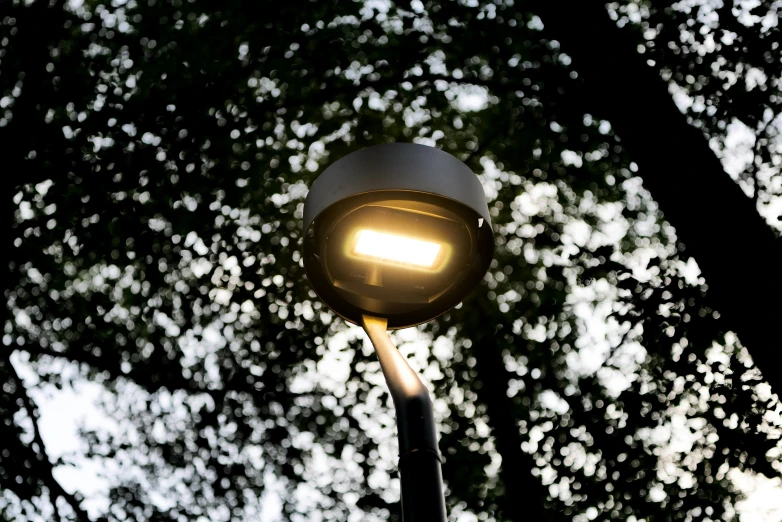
(400, 249)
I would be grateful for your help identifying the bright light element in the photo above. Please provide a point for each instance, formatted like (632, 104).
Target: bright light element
(401, 249)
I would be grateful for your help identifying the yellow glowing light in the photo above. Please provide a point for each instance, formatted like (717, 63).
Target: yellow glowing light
(388, 247)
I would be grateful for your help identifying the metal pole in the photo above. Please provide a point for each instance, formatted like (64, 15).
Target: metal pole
(419, 457)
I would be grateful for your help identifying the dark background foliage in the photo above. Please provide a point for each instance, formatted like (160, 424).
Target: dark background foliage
(156, 155)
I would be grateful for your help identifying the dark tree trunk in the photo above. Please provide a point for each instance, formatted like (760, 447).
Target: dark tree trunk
(738, 253)
(524, 495)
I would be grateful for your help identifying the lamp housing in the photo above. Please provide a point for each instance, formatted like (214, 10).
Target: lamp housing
(400, 231)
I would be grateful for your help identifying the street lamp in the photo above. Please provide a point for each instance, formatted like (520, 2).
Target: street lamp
(396, 235)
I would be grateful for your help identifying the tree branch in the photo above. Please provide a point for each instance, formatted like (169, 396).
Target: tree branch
(46, 467)
(736, 249)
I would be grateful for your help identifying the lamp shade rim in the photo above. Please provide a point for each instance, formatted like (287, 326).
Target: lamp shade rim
(396, 167)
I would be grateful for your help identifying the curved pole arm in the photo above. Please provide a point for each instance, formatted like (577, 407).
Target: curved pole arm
(419, 456)
(410, 396)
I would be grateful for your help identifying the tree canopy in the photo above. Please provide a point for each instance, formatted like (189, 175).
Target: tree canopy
(157, 156)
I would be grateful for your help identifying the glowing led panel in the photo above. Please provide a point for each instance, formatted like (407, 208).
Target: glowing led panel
(388, 247)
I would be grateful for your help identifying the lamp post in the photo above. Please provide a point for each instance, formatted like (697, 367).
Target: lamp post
(396, 235)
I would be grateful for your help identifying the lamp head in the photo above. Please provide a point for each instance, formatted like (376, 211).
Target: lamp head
(398, 231)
